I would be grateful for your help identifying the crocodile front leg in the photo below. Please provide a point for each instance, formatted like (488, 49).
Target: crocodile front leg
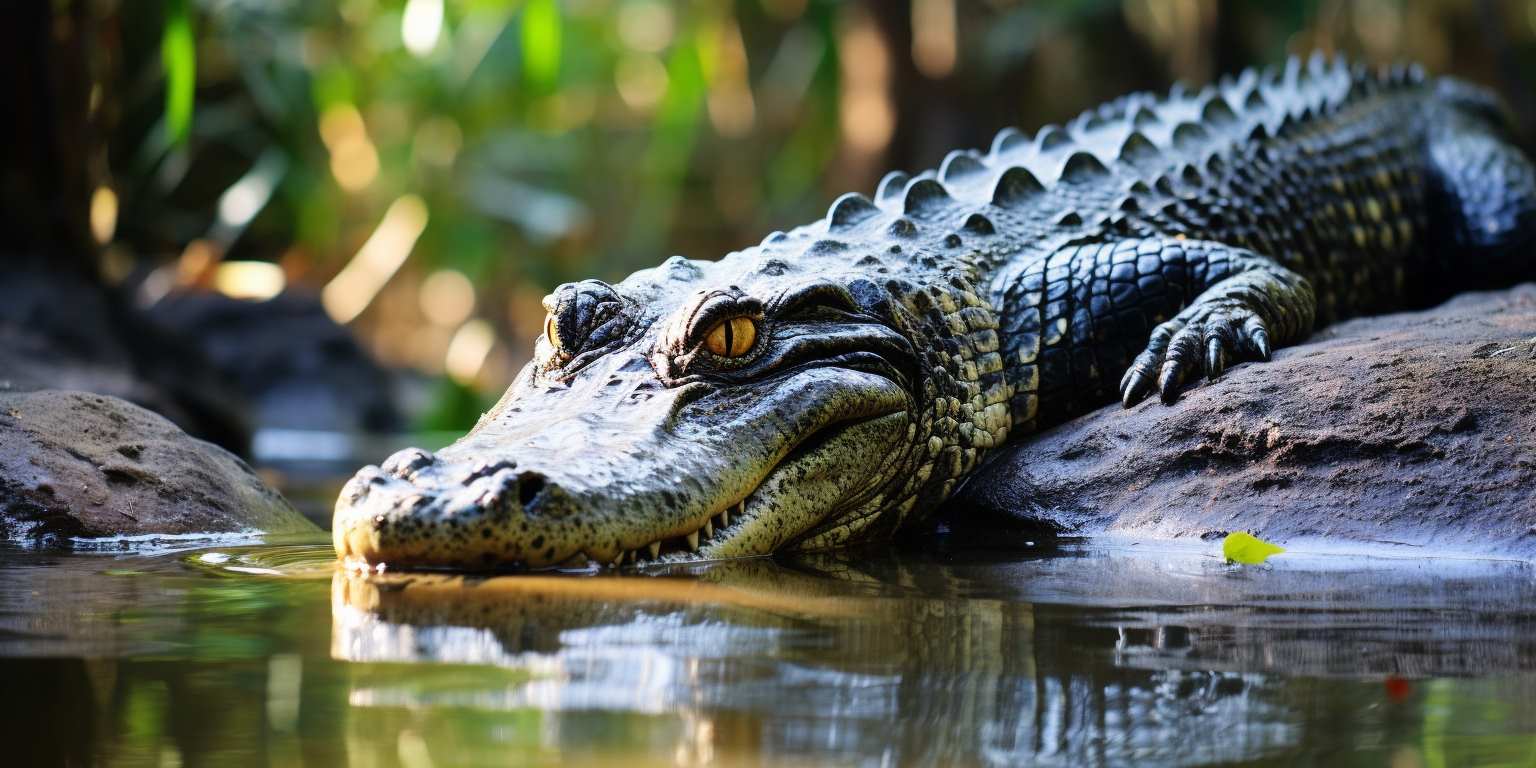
(1249, 304)
(1074, 321)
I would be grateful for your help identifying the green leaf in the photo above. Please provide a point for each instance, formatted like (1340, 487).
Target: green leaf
(541, 43)
(1247, 549)
(178, 57)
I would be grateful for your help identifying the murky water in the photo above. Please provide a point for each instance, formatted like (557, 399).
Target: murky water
(223, 654)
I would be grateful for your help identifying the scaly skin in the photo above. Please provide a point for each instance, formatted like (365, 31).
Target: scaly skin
(899, 340)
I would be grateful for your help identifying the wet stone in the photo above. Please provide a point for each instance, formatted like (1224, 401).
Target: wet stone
(1415, 428)
(75, 464)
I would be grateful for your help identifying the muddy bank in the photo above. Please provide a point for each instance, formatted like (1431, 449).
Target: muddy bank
(81, 464)
(1417, 429)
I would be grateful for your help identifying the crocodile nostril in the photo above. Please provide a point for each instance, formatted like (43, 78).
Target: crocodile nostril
(528, 486)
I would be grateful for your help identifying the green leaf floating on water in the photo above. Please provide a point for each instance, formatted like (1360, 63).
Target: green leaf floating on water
(1247, 549)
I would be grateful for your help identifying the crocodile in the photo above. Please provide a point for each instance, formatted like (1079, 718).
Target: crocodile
(836, 383)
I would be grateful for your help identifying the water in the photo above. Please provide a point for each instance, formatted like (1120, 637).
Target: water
(220, 653)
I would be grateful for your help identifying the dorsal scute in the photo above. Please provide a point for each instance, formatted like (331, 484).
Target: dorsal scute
(1007, 140)
(1362, 81)
(978, 224)
(826, 246)
(1137, 149)
(1082, 167)
(923, 195)
(1014, 187)
(849, 211)
(891, 186)
(1122, 108)
(1317, 65)
(960, 164)
(1403, 73)
(1126, 155)
(1188, 137)
(1245, 82)
(1051, 137)
(1291, 71)
(1216, 112)
(1340, 65)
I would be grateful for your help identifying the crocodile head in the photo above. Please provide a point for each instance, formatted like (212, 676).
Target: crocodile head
(698, 410)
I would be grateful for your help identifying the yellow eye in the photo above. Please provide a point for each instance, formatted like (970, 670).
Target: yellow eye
(732, 337)
(550, 333)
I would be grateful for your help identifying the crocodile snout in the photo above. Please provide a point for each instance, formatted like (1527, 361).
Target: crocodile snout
(417, 508)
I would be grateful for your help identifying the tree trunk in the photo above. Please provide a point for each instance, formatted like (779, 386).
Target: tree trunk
(54, 154)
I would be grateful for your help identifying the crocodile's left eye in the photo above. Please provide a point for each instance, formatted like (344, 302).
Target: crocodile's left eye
(551, 333)
(731, 337)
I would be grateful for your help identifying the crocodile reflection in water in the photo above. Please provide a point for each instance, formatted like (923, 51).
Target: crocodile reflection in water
(989, 658)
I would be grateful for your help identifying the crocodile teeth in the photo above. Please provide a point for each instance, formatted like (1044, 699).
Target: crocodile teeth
(709, 530)
(723, 519)
(693, 541)
(655, 548)
(618, 560)
(741, 507)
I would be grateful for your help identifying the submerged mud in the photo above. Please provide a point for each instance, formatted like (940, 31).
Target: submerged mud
(1416, 429)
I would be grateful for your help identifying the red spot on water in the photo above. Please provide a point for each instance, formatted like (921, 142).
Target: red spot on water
(1398, 689)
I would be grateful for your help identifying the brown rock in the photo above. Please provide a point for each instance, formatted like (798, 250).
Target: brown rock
(81, 464)
(1416, 429)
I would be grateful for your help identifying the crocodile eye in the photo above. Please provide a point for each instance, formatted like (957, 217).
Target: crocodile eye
(732, 337)
(550, 333)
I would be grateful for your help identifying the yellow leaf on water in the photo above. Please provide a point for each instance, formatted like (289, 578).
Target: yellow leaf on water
(1247, 549)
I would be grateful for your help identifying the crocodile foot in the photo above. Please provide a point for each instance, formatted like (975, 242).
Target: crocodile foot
(1236, 319)
(1216, 334)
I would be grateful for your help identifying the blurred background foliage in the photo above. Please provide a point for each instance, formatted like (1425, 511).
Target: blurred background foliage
(431, 168)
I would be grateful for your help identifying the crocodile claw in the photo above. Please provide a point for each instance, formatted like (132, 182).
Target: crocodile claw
(1208, 340)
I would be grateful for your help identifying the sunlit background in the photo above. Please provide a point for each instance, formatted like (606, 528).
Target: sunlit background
(429, 169)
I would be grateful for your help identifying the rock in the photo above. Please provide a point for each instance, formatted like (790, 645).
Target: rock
(58, 331)
(297, 367)
(1417, 429)
(82, 464)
